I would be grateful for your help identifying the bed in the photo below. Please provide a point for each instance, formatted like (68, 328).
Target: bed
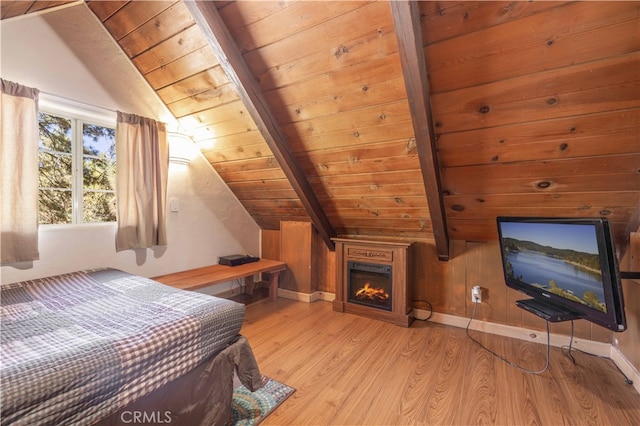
(107, 347)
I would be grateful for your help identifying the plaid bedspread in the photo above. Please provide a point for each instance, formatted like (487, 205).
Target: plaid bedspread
(77, 347)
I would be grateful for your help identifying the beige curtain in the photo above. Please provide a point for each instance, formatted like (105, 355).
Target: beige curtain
(142, 156)
(18, 173)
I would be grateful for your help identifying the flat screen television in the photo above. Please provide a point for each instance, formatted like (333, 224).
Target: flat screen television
(567, 265)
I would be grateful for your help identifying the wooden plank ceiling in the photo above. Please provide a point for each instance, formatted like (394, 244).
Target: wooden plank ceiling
(534, 108)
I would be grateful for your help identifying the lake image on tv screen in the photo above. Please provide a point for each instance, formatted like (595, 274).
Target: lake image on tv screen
(561, 258)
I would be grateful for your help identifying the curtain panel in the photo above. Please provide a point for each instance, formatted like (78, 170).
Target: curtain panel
(142, 156)
(19, 138)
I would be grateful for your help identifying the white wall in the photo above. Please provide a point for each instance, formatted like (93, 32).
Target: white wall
(68, 53)
(211, 221)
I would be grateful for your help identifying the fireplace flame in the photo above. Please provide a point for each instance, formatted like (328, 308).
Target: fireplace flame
(370, 293)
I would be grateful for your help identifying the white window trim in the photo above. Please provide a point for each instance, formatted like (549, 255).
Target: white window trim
(79, 113)
(58, 105)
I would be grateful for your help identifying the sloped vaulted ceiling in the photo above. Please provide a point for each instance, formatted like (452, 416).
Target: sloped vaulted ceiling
(517, 108)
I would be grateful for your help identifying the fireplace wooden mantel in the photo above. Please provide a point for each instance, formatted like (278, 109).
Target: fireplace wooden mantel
(396, 254)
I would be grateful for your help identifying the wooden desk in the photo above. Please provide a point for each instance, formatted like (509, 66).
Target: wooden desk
(208, 275)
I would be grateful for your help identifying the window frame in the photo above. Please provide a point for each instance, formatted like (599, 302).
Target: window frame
(79, 114)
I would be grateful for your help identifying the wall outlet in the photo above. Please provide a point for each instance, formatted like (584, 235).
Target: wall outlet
(476, 294)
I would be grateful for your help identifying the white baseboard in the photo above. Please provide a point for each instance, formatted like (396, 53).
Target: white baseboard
(626, 367)
(538, 336)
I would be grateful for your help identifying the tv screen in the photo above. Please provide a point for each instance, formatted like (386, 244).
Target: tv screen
(566, 264)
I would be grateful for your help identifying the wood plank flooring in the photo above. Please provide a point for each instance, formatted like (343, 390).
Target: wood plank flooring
(350, 370)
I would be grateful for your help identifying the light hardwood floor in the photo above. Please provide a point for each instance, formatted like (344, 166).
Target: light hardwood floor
(350, 370)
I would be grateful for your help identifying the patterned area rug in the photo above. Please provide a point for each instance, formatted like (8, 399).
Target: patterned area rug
(250, 408)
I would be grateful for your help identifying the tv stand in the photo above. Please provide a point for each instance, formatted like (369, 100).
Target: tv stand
(546, 310)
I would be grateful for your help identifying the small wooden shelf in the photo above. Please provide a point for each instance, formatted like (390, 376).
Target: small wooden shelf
(194, 279)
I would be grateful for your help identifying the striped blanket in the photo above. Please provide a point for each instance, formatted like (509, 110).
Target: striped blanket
(77, 347)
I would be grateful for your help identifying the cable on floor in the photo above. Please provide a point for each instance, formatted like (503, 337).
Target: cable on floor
(566, 350)
(500, 357)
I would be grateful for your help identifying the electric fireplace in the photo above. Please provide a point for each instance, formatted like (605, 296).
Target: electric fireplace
(372, 279)
(370, 284)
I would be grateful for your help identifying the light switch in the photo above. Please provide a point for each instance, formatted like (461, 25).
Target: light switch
(175, 205)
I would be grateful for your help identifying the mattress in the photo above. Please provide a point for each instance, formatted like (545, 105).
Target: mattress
(76, 348)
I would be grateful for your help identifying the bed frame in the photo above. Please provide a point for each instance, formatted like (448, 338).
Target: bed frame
(110, 348)
(201, 397)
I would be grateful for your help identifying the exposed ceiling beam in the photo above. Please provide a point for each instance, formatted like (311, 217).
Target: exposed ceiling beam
(406, 19)
(210, 22)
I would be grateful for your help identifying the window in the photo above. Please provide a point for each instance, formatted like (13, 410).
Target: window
(76, 171)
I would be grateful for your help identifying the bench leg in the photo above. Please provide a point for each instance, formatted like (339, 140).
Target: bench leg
(248, 285)
(273, 286)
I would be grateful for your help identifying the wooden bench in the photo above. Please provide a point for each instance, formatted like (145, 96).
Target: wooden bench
(209, 275)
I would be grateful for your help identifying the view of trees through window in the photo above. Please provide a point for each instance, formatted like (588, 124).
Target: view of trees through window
(77, 171)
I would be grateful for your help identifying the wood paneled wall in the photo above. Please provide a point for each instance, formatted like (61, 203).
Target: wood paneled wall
(447, 287)
(308, 258)
(297, 240)
(629, 341)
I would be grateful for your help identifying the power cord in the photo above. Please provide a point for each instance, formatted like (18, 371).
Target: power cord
(500, 357)
(430, 309)
(568, 353)
(566, 350)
